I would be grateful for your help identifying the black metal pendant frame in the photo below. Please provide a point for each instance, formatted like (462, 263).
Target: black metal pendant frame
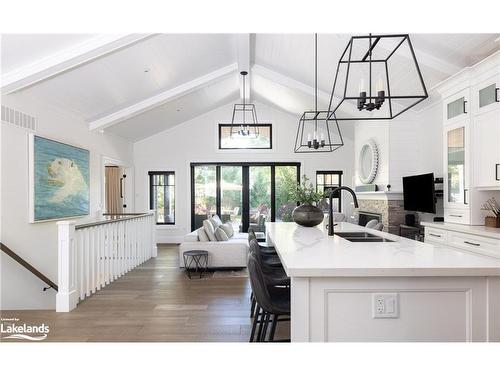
(244, 129)
(371, 101)
(317, 121)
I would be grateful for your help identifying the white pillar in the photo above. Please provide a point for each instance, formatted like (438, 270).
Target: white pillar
(67, 294)
(154, 248)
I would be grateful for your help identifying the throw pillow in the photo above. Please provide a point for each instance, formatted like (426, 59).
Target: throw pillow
(221, 235)
(228, 228)
(209, 230)
(216, 221)
(202, 235)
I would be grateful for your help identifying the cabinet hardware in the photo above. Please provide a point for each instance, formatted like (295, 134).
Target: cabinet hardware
(465, 101)
(472, 243)
(456, 215)
(435, 235)
(465, 196)
(496, 172)
(496, 95)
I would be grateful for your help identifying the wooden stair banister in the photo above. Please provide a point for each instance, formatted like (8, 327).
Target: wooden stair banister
(29, 267)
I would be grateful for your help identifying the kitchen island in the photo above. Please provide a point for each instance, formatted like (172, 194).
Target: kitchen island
(366, 285)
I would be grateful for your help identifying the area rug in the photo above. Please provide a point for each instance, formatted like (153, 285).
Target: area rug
(228, 274)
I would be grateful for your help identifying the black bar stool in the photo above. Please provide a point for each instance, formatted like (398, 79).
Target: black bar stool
(273, 302)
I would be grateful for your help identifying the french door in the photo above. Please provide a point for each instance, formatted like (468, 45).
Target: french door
(245, 194)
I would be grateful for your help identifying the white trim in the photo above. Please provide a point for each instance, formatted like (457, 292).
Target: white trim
(66, 59)
(162, 98)
(243, 50)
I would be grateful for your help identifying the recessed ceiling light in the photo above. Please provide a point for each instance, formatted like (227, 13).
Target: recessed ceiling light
(179, 109)
(146, 70)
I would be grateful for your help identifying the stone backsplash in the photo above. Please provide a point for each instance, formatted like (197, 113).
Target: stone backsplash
(391, 210)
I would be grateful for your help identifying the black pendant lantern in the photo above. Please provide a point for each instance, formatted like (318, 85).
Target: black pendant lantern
(241, 112)
(318, 131)
(377, 78)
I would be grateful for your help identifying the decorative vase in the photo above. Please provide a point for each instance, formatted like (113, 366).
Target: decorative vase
(307, 215)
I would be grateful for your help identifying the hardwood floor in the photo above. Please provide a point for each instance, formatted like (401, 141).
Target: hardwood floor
(156, 302)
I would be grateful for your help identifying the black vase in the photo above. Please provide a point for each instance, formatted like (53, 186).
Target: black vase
(307, 215)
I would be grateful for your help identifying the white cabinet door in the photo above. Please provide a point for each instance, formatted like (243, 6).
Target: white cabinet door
(456, 165)
(486, 129)
(456, 107)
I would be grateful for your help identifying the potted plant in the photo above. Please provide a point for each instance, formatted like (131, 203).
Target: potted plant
(307, 214)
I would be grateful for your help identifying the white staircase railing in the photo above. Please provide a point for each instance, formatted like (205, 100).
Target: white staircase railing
(90, 256)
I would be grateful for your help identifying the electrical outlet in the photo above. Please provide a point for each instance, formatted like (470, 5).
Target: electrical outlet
(385, 305)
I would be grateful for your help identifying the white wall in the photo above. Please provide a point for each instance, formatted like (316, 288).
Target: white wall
(410, 144)
(37, 243)
(196, 141)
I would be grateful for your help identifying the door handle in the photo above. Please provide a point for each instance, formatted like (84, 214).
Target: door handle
(121, 187)
(465, 196)
(472, 243)
(465, 101)
(496, 172)
(496, 95)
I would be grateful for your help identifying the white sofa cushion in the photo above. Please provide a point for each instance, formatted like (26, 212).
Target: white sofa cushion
(202, 235)
(221, 235)
(228, 228)
(216, 221)
(209, 230)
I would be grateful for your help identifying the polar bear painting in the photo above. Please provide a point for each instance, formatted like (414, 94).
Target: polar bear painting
(61, 180)
(66, 174)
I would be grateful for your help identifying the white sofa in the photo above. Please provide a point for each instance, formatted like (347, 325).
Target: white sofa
(221, 254)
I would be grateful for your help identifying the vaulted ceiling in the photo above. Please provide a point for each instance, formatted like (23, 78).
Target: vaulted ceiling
(137, 85)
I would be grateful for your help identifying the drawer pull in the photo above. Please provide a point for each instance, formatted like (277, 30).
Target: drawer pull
(472, 243)
(435, 235)
(455, 215)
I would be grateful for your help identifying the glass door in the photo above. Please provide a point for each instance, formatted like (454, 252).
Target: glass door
(205, 193)
(260, 207)
(456, 185)
(231, 193)
(285, 175)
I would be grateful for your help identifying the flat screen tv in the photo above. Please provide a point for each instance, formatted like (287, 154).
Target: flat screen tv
(418, 193)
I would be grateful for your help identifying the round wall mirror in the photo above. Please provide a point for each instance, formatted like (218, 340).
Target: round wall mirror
(368, 162)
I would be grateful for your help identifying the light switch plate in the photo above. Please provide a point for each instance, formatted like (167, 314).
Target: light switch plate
(385, 305)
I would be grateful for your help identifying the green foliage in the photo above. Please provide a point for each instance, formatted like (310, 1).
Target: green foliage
(305, 192)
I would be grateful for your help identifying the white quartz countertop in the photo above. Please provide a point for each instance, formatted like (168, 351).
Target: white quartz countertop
(479, 230)
(310, 252)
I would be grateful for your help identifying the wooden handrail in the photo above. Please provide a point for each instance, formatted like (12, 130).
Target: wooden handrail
(108, 221)
(28, 266)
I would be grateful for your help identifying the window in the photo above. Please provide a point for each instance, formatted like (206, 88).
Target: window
(326, 180)
(162, 196)
(262, 141)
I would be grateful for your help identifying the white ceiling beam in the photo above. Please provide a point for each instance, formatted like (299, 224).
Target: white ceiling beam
(243, 55)
(65, 60)
(162, 98)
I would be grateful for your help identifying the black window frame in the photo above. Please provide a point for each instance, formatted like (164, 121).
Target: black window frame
(339, 173)
(166, 174)
(245, 191)
(265, 125)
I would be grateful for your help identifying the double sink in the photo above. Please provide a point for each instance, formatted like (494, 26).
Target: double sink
(361, 237)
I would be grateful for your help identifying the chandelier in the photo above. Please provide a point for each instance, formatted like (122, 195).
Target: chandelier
(377, 78)
(241, 112)
(316, 129)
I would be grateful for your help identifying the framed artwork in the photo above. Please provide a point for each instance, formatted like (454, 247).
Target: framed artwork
(59, 180)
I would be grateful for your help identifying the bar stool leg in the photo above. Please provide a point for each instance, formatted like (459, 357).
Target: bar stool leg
(262, 316)
(254, 324)
(252, 308)
(266, 323)
(273, 327)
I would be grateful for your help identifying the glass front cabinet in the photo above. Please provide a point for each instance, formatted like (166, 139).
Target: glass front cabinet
(457, 107)
(457, 169)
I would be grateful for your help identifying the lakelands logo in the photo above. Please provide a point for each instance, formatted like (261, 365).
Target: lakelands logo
(10, 328)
